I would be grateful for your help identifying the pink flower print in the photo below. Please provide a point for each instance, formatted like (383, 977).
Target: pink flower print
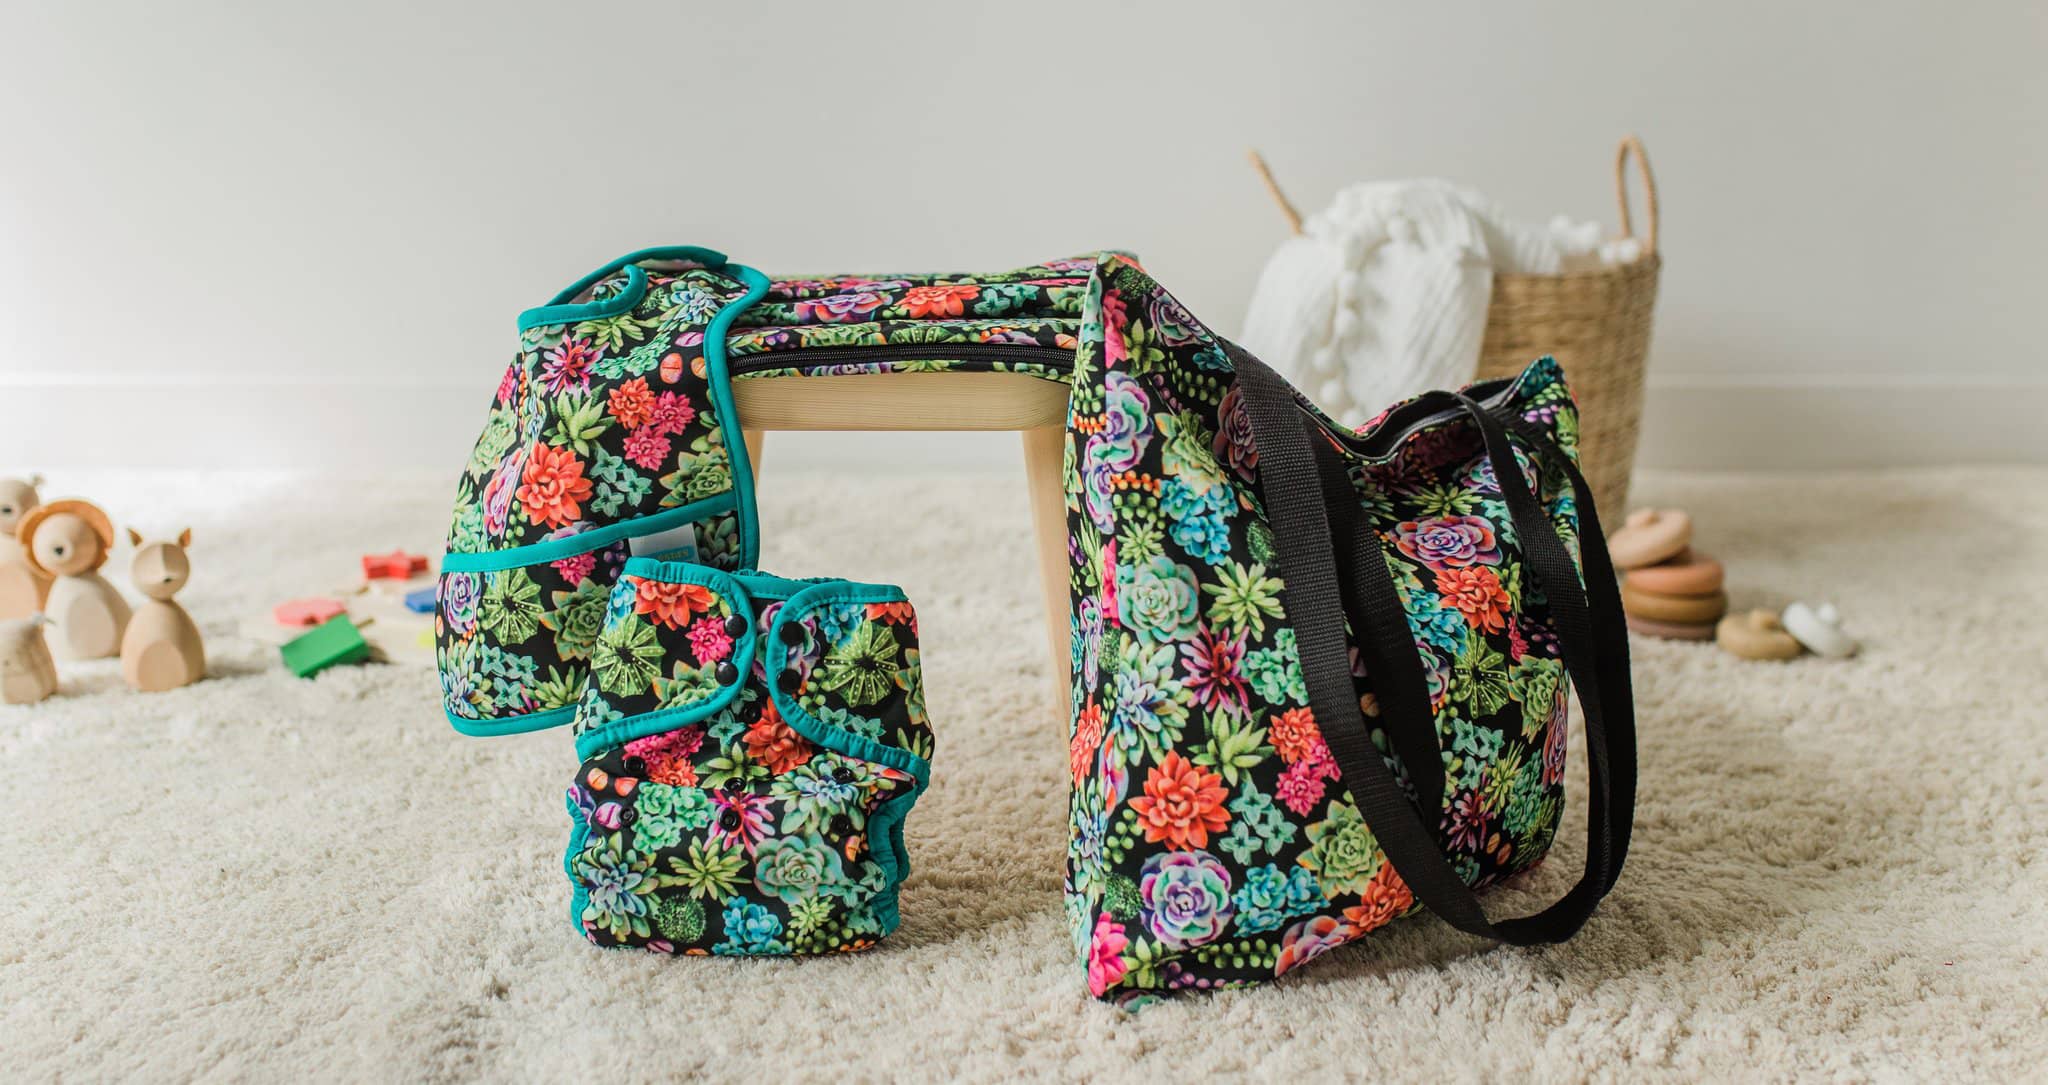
(1301, 787)
(709, 640)
(1448, 542)
(672, 412)
(1114, 321)
(508, 385)
(1108, 579)
(1106, 955)
(577, 569)
(568, 364)
(1211, 663)
(752, 826)
(840, 308)
(646, 447)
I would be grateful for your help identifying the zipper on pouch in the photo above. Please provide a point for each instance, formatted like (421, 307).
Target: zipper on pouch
(1049, 357)
(1377, 444)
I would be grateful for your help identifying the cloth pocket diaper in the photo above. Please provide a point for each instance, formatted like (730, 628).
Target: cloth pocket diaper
(749, 747)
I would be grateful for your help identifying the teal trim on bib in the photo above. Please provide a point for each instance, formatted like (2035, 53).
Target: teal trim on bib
(568, 546)
(709, 258)
(720, 382)
(621, 302)
(512, 725)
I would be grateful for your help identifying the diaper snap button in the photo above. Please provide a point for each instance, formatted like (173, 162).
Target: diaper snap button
(628, 816)
(788, 681)
(792, 633)
(728, 674)
(843, 774)
(735, 625)
(636, 766)
(735, 785)
(729, 821)
(842, 826)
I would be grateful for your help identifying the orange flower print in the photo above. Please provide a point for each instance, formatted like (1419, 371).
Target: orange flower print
(1294, 735)
(1476, 592)
(894, 614)
(632, 403)
(552, 488)
(1182, 804)
(670, 605)
(1087, 740)
(944, 300)
(1386, 896)
(770, 742)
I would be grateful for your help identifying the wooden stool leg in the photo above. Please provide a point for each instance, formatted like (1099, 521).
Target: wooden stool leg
(1044, 471)
(754, 437)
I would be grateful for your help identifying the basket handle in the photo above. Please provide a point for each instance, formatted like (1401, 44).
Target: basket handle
(1287, 209)
(1632, 145)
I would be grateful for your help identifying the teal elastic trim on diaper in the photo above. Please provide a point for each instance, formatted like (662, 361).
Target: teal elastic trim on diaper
(728, 415)
(590, 743)
(578, 896)
(512, 725)
(885, 833)
(615, 304)
(583, 542)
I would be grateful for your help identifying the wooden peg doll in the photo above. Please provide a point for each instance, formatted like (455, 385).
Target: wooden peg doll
(27, 673)
(69, 540)
(23, 587)
(162, 649)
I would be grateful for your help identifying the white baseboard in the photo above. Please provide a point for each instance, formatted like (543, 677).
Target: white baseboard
(367, 429)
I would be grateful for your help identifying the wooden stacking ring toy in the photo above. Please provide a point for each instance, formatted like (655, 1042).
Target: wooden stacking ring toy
(1650, 627)
(1756, 634)
(1690, 573)
(1649, 536)
(1682, 609)
(1819, 629)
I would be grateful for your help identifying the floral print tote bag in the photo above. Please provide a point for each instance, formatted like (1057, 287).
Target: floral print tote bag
(1320, 676)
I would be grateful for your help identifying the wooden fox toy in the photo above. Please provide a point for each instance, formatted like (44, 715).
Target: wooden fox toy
(162, 648)
(23, 587)
(69, 540)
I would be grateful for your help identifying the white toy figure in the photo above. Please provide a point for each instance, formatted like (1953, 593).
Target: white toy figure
(69, 540)
(162, 649)
(23, 587)
(27, 673)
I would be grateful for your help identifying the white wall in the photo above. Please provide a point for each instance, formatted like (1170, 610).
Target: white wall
(297, 233)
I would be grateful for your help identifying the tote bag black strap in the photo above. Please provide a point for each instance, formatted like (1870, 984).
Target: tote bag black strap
(1315, 515)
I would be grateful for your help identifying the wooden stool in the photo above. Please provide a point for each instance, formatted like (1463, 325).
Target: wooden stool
(942, 401)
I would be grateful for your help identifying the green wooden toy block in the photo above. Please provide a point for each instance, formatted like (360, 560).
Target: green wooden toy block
(331, 643)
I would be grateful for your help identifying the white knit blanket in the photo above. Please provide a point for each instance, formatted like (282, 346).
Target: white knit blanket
(1384, 294)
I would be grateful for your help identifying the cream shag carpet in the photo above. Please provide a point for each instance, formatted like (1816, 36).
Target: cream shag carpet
(1838, 867)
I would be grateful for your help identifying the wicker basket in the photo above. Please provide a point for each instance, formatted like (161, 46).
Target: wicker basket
(1597, 324)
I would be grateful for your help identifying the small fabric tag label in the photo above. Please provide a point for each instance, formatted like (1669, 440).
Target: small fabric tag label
(675, 544)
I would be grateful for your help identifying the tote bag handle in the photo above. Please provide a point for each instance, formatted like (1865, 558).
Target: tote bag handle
(1315, 514)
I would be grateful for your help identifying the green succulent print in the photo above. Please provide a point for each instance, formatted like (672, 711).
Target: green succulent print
(628, 657)
(752, 820)
(511, 606)
(863, 668)
(619, 885)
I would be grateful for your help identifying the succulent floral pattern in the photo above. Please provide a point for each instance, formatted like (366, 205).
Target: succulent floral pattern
(1212, 841)
(722, 808)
